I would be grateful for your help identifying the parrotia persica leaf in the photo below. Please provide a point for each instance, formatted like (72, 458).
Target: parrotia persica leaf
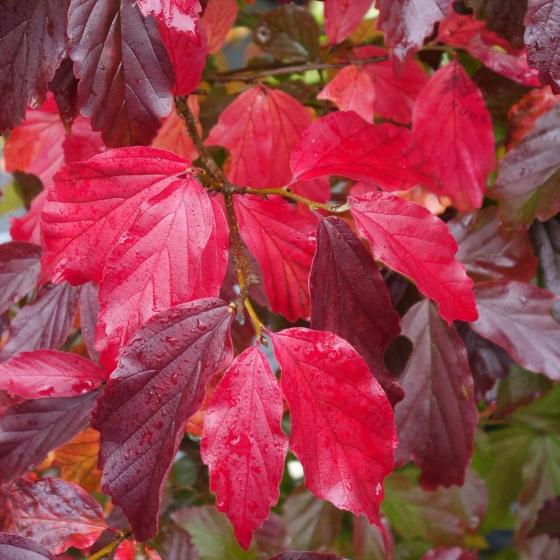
(44, 323)
(528, 182)
(158, 384)
(350, 299)
(436, 420)
(408, 22)
(49, 373)
(19, 271)
(282, 239)
(29, 430)
(410, 240)
(15, 547)
(453, 127)
(32, 43)
(55, 513)
(94, 202)
(219, 17)
(524, 320)
(542, 33)
(175, 251)
(342, 427)
(344, 144)
(243, 443)
(342, 17)
(125, 74)
(260, 128)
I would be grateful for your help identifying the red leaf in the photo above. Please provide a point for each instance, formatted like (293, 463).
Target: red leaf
(437, 419)
(342, 423)
(174, 251)
(83, 142)
(55, 513)
(243, 443)
(342, 17)
(219, 17)
(173, 135)
(14, 547)
(488, 251)
(410, 240)
(408, 22)
(49, 373)
(344, 144)
(93, 203)
(19, 271)
(350, 299)
(28, 227)
(128, 550)
(29, 430)
(158, 384)
(454, 128)
(32, 42)
(542, 23)
(259, 129)
(125, 74)
(282, 240)
(43, 324)
(524, 321)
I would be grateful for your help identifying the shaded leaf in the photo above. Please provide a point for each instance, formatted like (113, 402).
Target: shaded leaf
(455, 553)
(89, 310)
(505, 17)
(306, 556)
(546, 238)
(158, 384)
(28, 431)
(173, 135)
(217, 21)
(64, 87)
(410, 240)
(548, 519)
(28, 227)
(321, 373)
(342, 17)
(14, 547)
(369, 542)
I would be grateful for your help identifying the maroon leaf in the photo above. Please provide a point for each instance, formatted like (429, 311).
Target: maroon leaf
(542, 38)
(524, 321)
(546, 237)
(342, 423)
(410, 240)
(548, 520)
(158, 384)
(64, 87)
(44, 323)
(488, 251)
(243, 443)
(29, 430)
(55, 513)
(32, 43)
(19, 271)
(49, 373)
(436, 420)
(14, 547)
(350, 299)
(124, 71)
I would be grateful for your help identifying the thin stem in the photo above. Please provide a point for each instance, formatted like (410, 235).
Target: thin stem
(105, 551)
(312, 204)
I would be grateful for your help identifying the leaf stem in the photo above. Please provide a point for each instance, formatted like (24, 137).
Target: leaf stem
(105, 551)
(312, 204)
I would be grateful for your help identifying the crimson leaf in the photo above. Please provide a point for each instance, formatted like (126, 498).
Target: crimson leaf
(342, 17)
(436, 420)
(29, 430)
(340, 416)
(243, 443)
(350, 299)
(158, 384)
(410, 240)
(14, 547)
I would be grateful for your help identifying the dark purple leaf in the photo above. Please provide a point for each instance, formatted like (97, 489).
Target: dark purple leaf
(548, 520)
(64, 86)
(546, 238)
(29, 430)
(14, 547)
(505, 17)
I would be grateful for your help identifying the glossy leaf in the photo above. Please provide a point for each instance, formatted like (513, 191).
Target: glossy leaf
(125, 74)
(15, 547)
(158, 384)
(32, 42)
(282, 239)
(243, 443)
(410, 240)
(436, 420)
(43, 324)
(28, 431)
(546, 238)
(339, 416)
(55, 513)
(49, 373)
(350, 299)
(260, 128)
(453, 126)
(523, 320)
(342, 17)
(174, 251)
(94, 202)
(217, 21)
(344, 144)
(19, 271)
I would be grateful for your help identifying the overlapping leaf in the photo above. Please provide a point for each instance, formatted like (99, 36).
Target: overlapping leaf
(14, 547)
